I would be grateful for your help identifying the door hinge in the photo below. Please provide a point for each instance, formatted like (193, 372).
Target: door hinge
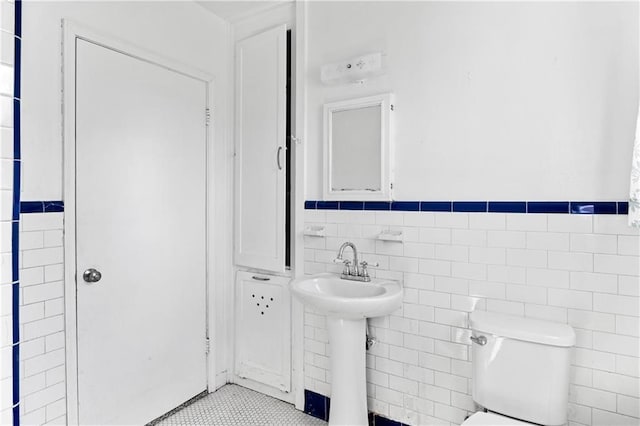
(207, 346)
(207, 115)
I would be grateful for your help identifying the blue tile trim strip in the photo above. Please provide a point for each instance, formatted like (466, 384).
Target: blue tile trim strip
(586, 207)
(470, 206)
(15, 225)
(318, 406)
(507, 207)
(351, 205)
(53, 206)
(41, 206)
(31, 207)
(548, 207)
(377, 420)
(405, 206)
(327, 205)
(623, 207)
(17, 47)
(15, 208)
(554, 207)
(436, 206)
(17, 29)
(377, 205)
(16, 129)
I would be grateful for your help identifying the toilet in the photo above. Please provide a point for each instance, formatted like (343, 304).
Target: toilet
(520, 370)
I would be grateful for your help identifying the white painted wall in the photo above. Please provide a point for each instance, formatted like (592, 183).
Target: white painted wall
(503, 100)
(182, 31)
(272, 17)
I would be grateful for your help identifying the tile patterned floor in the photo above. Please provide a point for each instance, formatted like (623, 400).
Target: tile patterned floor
(235, 405)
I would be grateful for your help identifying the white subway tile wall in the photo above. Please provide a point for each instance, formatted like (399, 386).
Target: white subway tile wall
(42, 355)
(577, 269)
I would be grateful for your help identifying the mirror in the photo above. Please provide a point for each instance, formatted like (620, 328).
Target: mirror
(357, 149)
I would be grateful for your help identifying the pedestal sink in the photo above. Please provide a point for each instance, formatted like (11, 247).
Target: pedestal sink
(347, 304)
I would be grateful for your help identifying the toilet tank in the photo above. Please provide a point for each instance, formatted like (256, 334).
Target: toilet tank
(522, 370)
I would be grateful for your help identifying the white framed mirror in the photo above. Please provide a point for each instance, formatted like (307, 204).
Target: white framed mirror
(358, 149)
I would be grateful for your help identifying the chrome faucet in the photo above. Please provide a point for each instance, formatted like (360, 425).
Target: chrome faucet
(356, 267)
(357, 272)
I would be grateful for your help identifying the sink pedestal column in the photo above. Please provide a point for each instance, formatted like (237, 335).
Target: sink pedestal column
(348, 372)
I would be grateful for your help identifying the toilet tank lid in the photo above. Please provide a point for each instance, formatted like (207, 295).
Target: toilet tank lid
(520, 328)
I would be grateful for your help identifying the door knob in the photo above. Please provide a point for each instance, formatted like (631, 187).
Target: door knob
(91, 275)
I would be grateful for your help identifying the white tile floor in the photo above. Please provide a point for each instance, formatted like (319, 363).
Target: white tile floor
(235, 405)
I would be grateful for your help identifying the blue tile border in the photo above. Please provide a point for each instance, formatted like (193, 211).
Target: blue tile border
(405, 206)
(623, 207)
(377, 205)
(470, 206)
(53, 206)
(16, 130)
(15, 208)
(31, 207)
(15, 225)
(317, 405)
(327, 205)
(548, 207)
(41, 206)
(586, 207)
(507, 207)
(377, 420)
(351, 205)
(17, 66)
(436, 206)
(530, 207)
(17, 28)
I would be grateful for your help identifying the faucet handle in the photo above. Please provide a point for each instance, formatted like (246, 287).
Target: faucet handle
(364, 272)
(347, 268)
(347, 265)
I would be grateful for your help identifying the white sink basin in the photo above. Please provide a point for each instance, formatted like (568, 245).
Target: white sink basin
(346, 299)
(347, 305)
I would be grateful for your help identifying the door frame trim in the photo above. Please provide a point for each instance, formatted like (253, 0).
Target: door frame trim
(71, 31)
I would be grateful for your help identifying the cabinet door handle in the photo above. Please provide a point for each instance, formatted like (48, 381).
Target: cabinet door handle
(258, 278)
(278, 157)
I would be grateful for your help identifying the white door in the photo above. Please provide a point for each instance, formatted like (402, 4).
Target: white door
(140, 222)
(260, 150)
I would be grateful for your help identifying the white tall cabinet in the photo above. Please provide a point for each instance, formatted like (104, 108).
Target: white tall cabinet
(262, 349)
(261, 75)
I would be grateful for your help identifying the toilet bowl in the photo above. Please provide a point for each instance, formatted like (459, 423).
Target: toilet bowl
(520, 369)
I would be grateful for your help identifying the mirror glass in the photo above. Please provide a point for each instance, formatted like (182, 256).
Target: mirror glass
(356, 149)
(358, 160)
